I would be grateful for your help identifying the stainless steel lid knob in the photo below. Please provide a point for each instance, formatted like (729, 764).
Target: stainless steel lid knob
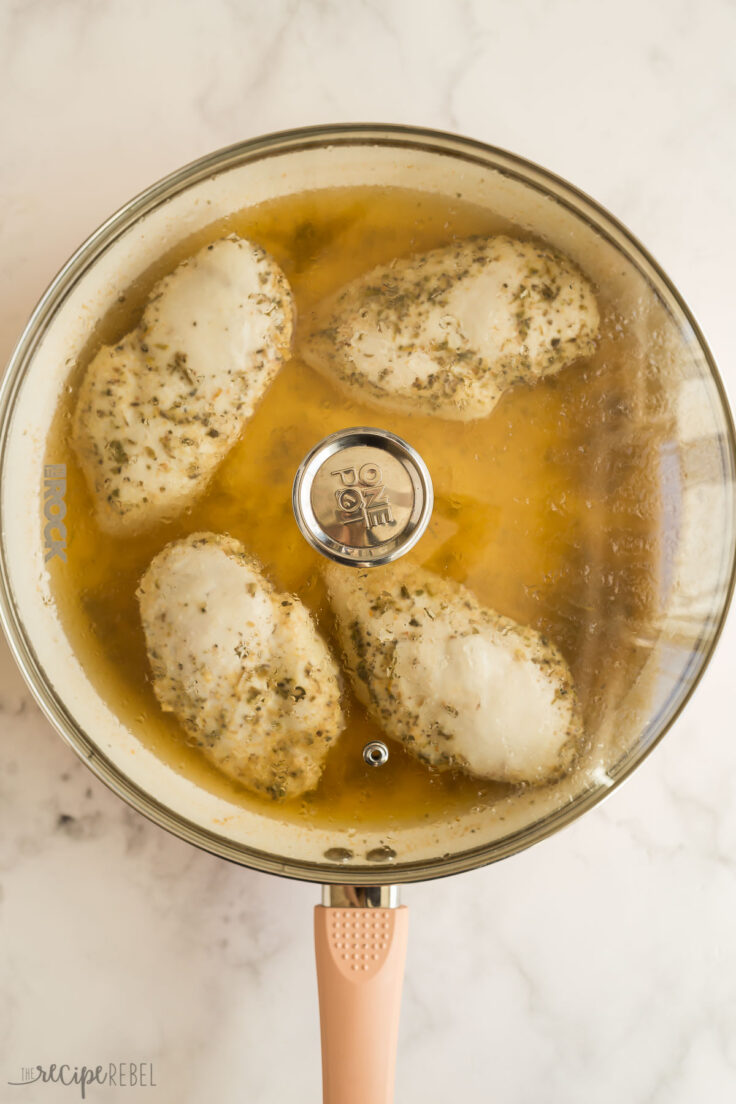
(363, 497)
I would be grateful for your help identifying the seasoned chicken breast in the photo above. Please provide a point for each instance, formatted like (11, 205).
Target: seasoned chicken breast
(446, 332)
(242, 666)
(157, 412)
(458, 684)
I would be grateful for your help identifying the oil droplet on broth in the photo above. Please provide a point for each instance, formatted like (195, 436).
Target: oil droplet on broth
(548, 509)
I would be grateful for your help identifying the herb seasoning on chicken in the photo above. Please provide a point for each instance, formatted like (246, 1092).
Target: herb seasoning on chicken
(158, 411)
(447, 332)
(458, 684)
(242, 666)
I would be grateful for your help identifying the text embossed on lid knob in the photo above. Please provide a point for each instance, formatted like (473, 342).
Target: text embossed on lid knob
(362, 496)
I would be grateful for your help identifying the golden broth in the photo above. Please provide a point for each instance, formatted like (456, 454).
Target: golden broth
(548, 509)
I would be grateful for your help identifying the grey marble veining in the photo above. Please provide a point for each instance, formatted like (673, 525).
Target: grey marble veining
(599, 967)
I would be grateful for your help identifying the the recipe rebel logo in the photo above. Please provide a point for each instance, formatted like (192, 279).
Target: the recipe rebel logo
(54, 510)
(119, 1075)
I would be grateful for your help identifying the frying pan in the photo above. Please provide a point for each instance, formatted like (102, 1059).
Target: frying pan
(360, 929)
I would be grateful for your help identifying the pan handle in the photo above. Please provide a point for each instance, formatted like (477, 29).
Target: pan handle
(361, 950)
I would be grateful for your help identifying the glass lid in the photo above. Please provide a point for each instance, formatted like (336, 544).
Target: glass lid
(368, 503)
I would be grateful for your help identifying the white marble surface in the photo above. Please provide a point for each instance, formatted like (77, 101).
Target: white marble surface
(599, 968)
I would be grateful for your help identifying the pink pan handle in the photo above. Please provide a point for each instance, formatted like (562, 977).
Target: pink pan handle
(360, 970)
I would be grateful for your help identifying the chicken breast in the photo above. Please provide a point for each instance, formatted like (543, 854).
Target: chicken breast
(458, 684)
(447, 332)
(158, 412)
(242, 666)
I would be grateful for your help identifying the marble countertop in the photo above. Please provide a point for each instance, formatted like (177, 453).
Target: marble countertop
(597, 968)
